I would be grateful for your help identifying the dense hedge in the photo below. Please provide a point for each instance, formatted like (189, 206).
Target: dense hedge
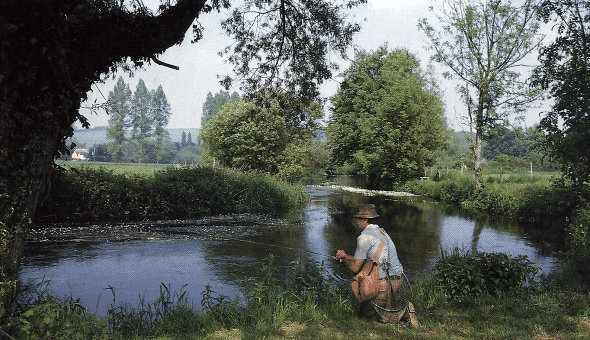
(87, 194)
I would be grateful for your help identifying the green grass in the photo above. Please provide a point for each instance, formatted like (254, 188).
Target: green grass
(127, 169)
(301, 302)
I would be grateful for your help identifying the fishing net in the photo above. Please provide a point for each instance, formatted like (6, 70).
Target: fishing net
(393, 298)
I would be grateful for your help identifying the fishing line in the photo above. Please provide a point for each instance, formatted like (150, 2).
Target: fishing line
(274, 245)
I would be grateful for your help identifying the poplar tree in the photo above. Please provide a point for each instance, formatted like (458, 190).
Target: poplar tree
(119, 107)
(213, 104)
(141, 118)
(161, 114)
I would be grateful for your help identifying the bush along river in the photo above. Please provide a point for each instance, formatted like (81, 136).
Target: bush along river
(108, 265)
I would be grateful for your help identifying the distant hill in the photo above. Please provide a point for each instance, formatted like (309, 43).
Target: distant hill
(98, 135)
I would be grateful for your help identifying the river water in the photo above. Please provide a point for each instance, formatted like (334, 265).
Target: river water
(106, 264)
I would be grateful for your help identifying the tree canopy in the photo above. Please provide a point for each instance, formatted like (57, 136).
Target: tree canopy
(119, 110)
(145, 112)
(213, 104)
(269, 131)
(387, 117)
(565, 73)
(483, 44)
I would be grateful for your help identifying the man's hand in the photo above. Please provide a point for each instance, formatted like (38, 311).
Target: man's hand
(349, 261)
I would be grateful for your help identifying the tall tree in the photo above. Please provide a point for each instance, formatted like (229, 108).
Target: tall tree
(213, 104)
(119, 106)
(483, 44)
(161, 115)
(270, 131)
(141, 118)
(52, 51)
(183, 140)
(387, 117)
(565, 73)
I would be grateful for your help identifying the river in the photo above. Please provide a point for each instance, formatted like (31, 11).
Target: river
(117, 263)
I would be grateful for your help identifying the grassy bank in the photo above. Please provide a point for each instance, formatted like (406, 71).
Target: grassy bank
(134, 193)
(303, 302)
(544, 200)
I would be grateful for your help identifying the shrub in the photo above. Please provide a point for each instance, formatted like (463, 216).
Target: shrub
(578, 240)
(100, 195)
(548, 207)
(450, 189)
(89, 194)
(50, 318)
(457, 190)
(495, 200)
(465, 277)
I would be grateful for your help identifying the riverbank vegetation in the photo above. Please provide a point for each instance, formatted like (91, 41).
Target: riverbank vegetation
(304, 302)
(134, 193)
(546, 201)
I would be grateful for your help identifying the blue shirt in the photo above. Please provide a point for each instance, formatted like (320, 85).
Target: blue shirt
(367, 244)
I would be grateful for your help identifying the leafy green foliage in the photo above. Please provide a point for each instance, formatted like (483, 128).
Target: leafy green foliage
(481, 44)
(565, 64)
(578, 240)
(118, 109)
(160, 116)
(387, 118)
(546, 204)
(189, 155)
(46, 317)
(300, 292)
(515, 143)
(87, 194)
(270, 131)
(288, 43)
(146, 113)
(466, 277)
(551, 206)
(213, 104)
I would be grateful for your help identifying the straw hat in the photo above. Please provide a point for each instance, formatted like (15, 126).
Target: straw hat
(366, 211)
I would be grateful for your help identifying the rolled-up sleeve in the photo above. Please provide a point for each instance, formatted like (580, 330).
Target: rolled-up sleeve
(363, 245)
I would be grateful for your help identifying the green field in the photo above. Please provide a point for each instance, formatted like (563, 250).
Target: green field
(128, 169)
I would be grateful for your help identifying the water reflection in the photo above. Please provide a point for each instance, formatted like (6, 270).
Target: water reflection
(224, 251)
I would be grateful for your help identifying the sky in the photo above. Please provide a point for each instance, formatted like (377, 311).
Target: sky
(391, 22)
